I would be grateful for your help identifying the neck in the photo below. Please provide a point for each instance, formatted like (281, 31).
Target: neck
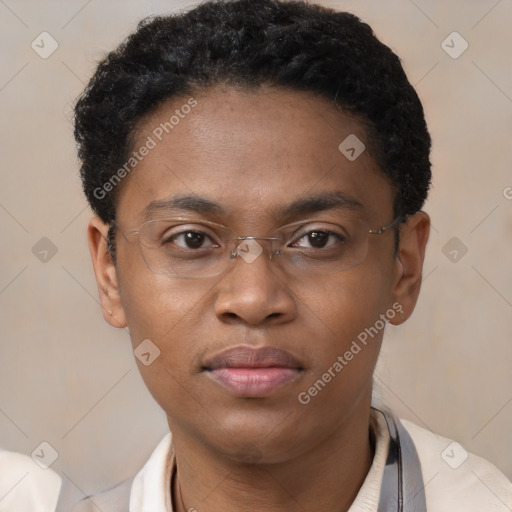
(327, 477)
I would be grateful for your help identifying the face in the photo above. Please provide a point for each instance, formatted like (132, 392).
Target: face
(250, 156)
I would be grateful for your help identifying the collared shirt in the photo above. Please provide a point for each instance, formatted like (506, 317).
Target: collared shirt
(455, 480)
(151, 487)
(474, 485)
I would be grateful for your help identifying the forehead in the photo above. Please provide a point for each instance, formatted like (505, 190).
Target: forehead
(253, 153)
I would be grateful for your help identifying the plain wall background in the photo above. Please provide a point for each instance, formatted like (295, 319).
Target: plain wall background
(68, 378)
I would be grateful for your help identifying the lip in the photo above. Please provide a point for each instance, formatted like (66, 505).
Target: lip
(253, 372)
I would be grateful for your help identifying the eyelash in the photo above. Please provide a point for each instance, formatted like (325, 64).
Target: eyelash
(339, 237)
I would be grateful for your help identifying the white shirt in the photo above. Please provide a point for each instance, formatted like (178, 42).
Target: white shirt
(25, 486)
(455, 481)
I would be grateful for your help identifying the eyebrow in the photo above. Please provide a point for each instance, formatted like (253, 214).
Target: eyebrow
(320, 202)
(302, 206)
(191, 203)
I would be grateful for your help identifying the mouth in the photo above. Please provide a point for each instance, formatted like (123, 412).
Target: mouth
(253, 372)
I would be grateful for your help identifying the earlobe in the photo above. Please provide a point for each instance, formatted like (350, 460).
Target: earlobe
(411, 254)
(106, 274)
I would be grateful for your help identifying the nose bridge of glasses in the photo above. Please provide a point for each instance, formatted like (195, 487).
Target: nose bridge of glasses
(248, 248)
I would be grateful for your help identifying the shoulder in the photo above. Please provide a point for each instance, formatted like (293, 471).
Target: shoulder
(456, 480)
(25, 485)
(138, 492)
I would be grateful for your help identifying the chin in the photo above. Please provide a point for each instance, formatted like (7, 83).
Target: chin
(262, 441)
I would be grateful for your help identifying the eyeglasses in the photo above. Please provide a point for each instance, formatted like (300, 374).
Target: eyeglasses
(188, 248)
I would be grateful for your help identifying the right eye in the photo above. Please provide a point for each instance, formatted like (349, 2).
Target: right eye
(189, 239)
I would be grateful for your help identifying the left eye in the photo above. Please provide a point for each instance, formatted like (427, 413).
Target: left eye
(318, 239)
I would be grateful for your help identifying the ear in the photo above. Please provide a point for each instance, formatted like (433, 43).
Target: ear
(411, 253)
(106, 275)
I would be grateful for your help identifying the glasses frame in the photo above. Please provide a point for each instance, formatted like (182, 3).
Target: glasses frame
(130, 235)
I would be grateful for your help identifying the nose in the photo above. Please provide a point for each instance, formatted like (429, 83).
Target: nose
(254, 291)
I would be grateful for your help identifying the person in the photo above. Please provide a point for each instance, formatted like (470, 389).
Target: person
(257, 170)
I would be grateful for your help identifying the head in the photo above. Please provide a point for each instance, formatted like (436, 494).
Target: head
(255, 114)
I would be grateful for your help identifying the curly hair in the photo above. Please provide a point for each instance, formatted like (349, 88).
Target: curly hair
(250, 43)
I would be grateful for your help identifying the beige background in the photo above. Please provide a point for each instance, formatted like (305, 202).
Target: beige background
(69, 379)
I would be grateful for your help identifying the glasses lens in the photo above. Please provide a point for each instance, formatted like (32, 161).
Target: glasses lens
(328, 247)
(180, 248)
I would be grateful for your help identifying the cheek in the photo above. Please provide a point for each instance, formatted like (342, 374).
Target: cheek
(171, 315)
(346, 348)
(155, 306)
(162, 312)
(349, 302)
(347, 326)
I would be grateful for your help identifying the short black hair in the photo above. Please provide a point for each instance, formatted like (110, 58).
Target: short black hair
(248, 44)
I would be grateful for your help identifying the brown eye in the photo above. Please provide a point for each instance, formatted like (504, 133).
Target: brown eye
(189, 240)
(318, 239)
(194, 240)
